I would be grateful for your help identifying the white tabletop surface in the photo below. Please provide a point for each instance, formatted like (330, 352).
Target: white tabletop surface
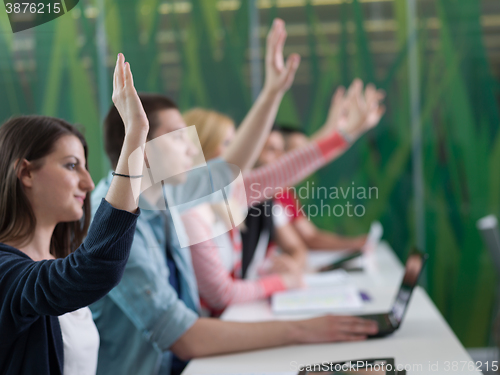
(424, 343)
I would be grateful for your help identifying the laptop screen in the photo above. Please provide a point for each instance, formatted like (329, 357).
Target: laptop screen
(413, 269)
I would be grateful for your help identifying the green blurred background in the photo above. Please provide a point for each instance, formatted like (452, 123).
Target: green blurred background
(197, 52)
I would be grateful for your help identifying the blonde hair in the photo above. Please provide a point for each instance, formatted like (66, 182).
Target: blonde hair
(211, 126)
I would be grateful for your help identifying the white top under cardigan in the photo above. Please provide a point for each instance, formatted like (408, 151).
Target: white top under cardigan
(81, 342)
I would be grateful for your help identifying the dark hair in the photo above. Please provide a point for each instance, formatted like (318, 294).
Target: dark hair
(32, 138)
(114, 131)
(287, 129)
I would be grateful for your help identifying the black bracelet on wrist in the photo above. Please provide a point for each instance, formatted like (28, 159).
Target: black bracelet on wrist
(125, 175)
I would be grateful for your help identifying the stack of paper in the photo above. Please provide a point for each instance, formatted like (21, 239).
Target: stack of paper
(321, 299)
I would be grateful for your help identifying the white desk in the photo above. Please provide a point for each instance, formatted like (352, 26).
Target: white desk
(423, 339)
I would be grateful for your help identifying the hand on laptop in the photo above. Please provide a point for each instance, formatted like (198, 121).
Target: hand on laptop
(330, 328)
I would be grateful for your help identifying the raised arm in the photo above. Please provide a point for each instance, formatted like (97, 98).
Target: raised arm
(262, 183)
(316, 238)
(253, 131)
(123, 191)
(350, 116)
(54, 287)
(353, 113)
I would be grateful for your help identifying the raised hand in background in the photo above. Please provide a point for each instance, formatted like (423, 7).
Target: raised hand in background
(353, 112)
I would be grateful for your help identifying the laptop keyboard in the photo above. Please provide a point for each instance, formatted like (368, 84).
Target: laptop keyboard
(381, 319)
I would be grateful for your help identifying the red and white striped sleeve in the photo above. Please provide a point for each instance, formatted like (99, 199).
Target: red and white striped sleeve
(293, 167)
(216, 286)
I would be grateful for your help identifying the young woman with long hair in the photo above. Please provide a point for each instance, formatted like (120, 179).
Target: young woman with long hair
(52, 264)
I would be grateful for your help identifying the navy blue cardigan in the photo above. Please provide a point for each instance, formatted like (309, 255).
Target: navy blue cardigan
(33, 294)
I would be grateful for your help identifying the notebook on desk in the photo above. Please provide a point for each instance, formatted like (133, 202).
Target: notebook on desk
(335, 298)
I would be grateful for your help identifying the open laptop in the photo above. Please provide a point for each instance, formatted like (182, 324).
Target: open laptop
(389, 322)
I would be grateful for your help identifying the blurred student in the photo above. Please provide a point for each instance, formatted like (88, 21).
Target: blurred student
(268, 225)
(48, 272)
(217, 261)
(312, 236)
(217, 258)
(153, 312)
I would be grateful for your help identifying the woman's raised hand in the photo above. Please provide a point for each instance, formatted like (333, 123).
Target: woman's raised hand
(124, 192)
(353, 112)
(362, 110)
(279, 75)
(336, 114)
(127, 101)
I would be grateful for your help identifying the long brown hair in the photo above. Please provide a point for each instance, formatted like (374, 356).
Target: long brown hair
(32, 138)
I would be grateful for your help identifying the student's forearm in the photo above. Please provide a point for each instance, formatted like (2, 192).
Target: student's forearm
(211, 336)
(122, 190)
(299, 255)
(255, 128)
(253, 131)
(326, 240)
(290, 242)
(315, 238)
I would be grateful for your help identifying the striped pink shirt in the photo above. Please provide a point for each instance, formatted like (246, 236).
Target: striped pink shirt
(217, 270)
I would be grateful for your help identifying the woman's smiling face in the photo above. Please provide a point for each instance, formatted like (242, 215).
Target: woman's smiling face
(57, 189)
